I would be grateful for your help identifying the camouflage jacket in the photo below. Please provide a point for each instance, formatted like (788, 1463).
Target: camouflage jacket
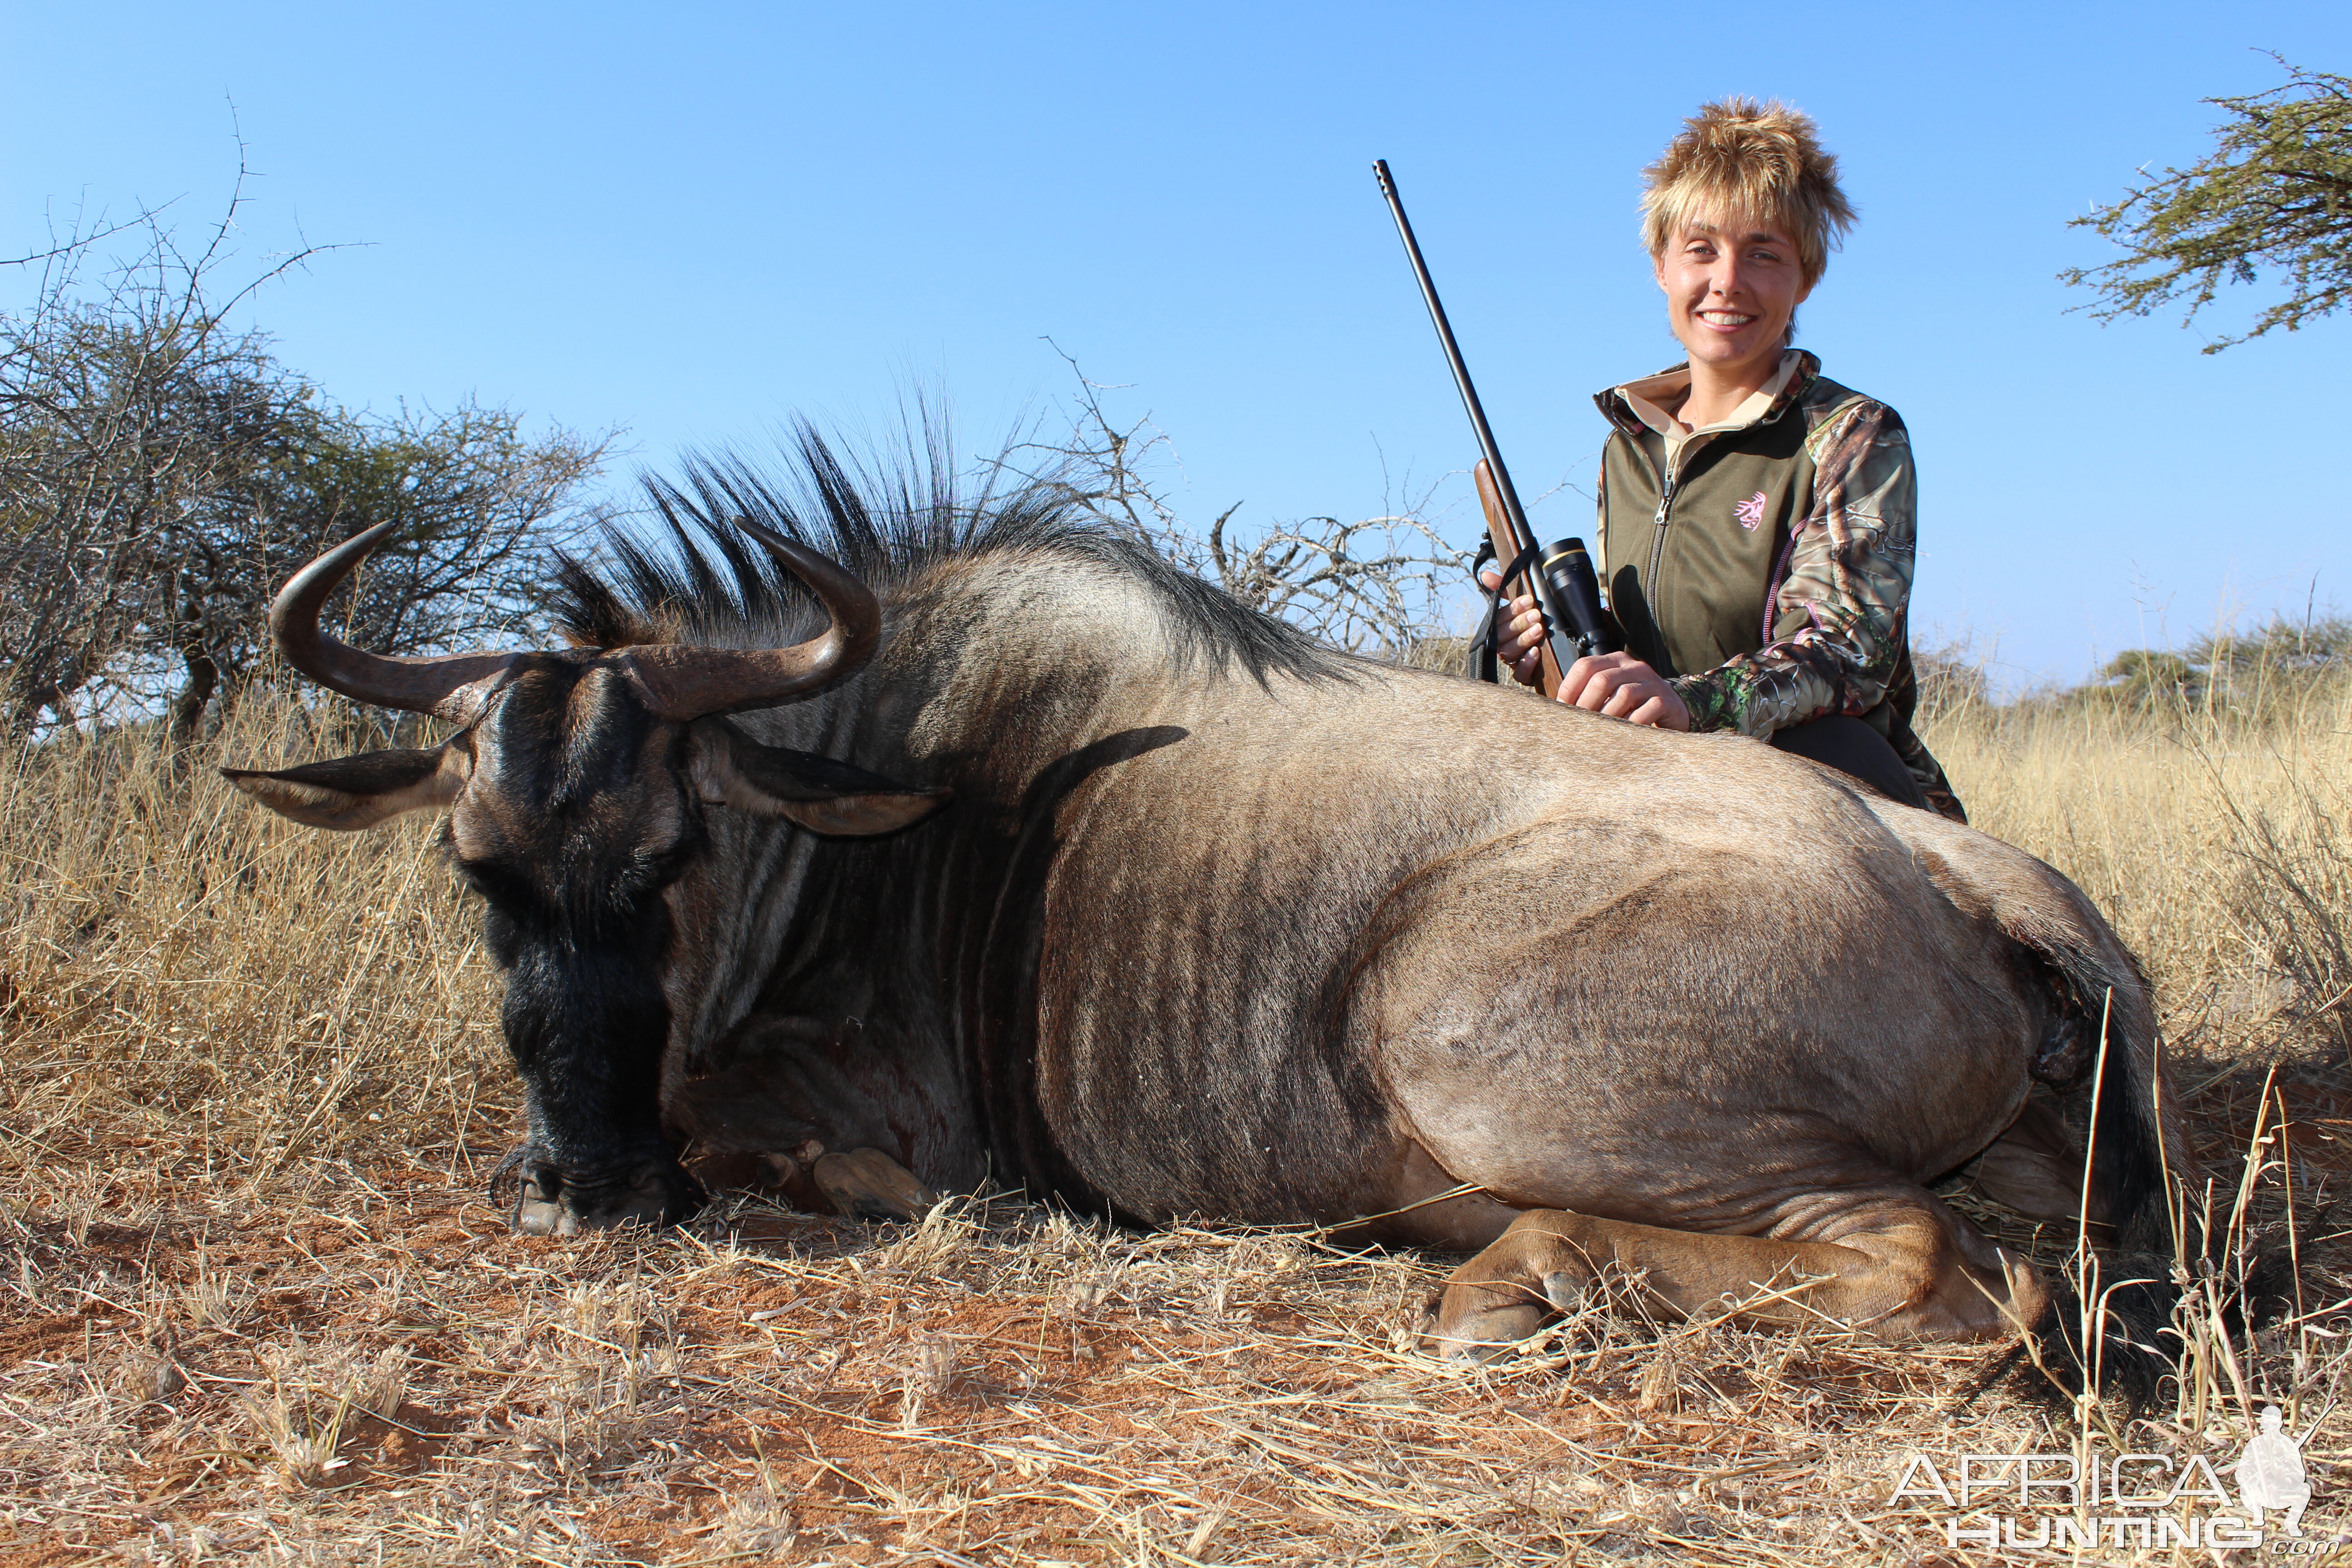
(1767, 571)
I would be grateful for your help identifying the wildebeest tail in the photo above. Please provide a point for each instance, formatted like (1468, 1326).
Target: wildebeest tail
(2110, 1322)
(2113, 1010)
(2113, 1320)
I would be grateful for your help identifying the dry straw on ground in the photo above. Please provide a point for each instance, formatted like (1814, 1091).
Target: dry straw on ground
(251, 1303)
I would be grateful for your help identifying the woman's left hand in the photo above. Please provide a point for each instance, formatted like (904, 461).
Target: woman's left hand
(1616, 684)
(1623, 686)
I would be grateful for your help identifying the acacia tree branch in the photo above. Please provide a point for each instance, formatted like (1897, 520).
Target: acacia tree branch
(2275, 191)
(160, 474)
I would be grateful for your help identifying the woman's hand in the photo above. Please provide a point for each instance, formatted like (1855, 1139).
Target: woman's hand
(1623, 686)
(1519, 634)
(1616, 684)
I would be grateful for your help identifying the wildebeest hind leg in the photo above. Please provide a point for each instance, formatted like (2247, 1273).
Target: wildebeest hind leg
(1897, 1270)
(2036, 1167)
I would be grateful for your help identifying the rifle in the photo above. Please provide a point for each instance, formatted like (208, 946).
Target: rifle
(1561, 573)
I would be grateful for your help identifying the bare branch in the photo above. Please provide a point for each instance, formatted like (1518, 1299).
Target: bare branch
(1376, 585)
(160, 473)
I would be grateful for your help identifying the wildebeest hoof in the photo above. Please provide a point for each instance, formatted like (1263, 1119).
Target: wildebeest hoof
(540, 1216)
(548, 1203)
(1477, 1333)
(1503, 1296)
(867, 1183)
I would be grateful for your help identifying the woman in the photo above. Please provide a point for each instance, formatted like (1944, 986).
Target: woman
(1756, 529)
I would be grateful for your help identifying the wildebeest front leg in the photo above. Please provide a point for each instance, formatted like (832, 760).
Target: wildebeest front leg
(1902, 1273)
(834, 1113)
(858, 1183)
(867, 1183)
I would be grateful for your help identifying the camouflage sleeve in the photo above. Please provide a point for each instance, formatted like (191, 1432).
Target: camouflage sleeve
(1833, 627)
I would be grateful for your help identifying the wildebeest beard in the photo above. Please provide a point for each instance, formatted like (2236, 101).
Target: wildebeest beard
(587, 1024)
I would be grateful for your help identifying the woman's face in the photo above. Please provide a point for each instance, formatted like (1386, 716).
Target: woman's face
(1731, 287)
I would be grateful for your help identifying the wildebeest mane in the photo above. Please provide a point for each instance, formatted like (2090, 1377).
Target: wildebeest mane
(701, 579)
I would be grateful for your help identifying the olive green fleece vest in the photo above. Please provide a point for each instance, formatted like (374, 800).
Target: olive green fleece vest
(1689, 555)
(1690, 558)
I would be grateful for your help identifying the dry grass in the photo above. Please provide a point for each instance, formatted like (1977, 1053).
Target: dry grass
(252, 1305)
(2221, 851)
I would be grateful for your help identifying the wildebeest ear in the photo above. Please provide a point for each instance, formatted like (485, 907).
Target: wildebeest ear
(351, 793)
(816, 792)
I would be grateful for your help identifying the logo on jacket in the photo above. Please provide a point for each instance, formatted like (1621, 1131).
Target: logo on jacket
(1751, 510)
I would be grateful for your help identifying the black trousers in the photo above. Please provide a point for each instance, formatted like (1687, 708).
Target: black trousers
(1856, 750)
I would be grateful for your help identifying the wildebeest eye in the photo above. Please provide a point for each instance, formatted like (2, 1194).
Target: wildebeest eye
(660, 867)
(494, 882)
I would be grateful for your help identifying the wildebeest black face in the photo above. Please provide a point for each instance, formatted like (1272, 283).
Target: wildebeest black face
(577, 792)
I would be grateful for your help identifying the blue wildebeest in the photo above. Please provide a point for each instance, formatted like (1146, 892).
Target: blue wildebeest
(1003, 848)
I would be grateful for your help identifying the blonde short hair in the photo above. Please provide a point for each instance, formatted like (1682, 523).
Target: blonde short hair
(1762, 163)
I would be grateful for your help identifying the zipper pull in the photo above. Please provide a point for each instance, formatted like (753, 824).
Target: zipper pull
(1658, 536)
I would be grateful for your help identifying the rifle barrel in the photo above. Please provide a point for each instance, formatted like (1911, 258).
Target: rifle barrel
(1523, 536)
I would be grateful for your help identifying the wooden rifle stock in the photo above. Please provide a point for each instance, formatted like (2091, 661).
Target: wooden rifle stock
(1509, 547)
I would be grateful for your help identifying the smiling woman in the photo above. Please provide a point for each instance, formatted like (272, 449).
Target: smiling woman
(1757, 528)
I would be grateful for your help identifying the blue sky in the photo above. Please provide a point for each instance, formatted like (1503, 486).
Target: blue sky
(696, 221)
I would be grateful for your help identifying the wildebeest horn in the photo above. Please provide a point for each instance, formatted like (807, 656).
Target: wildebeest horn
(447, 684)
(682, 682)
(679, 682)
